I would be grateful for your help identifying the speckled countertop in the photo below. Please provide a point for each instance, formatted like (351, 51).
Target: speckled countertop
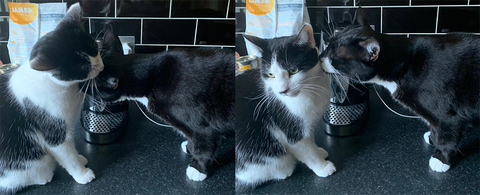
(388, 157)
(148, 159)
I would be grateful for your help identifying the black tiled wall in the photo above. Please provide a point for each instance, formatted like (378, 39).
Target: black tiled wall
(395, 17)
(156, 25)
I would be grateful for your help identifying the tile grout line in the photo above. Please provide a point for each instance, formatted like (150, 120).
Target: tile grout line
(195, 38)
(115, 9)
(89, 26)
(381, 20)
(166, 49)
(228, 7)
(409, 2)
(436, 22)
(328, 16)
(468, 2)
(141, 31)
(170, 10)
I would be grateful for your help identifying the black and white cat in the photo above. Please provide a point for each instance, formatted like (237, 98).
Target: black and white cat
(435, 76)
(277, 108)
(192, 90)
(39, 103)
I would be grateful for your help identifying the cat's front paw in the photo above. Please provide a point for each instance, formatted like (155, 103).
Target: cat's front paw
(83, 161)
(426, 137)
(86, 176)
(326, 170)
(437, 165)
(195, 175)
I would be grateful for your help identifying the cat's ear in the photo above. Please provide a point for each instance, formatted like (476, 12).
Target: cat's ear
(372, 47)
(39, 64)
(258, 42)
(74, 16)
(361, 17)
(111, 42)
(305, 36)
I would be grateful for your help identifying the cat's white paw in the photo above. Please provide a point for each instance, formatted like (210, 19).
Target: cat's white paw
(184, 146)
(437, 165)
(44, 181)
(83, 160)
(323, 152)
(426, 137)
(325, 171)
(86, 177)
(195, 175)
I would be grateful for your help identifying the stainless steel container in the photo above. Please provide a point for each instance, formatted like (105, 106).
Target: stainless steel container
(103, 123)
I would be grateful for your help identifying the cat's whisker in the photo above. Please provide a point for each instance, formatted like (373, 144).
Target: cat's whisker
(256, 111)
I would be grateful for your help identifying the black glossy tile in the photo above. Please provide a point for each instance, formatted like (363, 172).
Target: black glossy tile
(459, 19)
(439, 2)
(382, 2)
(4, 29)
(329, 2)
(143, 8)
(231, 9)
(409, 20)
(240, 24)
(343, 17)
(474, 2)
(149, 49)
(240, 3)
(169, 31)
(240, 45)
(4, 57)
(170, 48)
(96, 8)
(215, 32)
(121, 27)
(199, 9)
(318, 19)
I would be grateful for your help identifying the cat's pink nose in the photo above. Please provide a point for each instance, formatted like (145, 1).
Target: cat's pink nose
(284, 92)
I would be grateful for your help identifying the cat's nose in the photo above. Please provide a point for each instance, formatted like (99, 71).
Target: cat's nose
(284, 92)
(113, 82)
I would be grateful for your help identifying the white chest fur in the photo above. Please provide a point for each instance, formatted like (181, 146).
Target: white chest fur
(60, 101)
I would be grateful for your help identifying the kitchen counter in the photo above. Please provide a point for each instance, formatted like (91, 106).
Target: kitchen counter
(148, 159)
(389, 156)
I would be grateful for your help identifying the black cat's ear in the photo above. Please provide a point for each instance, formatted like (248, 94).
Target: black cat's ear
(111, 42)
(305, 36)
(361, 17)
(40, 64)
(372, 47)
(257, 41)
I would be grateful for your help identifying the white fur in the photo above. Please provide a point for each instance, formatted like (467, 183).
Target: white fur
(327, 65)
(39, 173)
(60, 100)
(391, 86)
(437, 165)
(184, 146)
(194, 174)
(273, 169)
(305, 104)
(426, 137)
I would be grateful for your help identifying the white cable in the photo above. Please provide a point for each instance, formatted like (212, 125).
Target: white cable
(402, 115)
(150, 118)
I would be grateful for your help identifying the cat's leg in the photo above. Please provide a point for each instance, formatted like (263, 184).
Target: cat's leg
(250, 174)
(68, 157)
(426, 137)
(184, 147)
(308, 152)
(202, 148)
(37, 172)
(446, 141)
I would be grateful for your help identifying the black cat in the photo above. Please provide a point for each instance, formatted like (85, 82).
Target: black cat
(435, 76)
(192, 90)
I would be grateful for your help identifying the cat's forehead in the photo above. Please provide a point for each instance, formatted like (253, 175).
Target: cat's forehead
(348, 35)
